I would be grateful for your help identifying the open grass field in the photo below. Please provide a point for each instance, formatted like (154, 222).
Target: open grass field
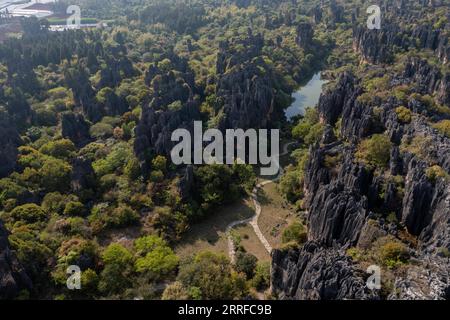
(275, 214)
(251, 243)
(210, 234)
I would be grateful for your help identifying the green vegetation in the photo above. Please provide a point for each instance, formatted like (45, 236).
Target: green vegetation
(261, 279)
(404, 114)
(246, 263)
(309, 129)
(155, 257)
(375, 151)
(386, 251)
(435, 173)
(443, 127)
(418, 146)
(294, 233)
(86, 116)
(209, 276)
(393, 254)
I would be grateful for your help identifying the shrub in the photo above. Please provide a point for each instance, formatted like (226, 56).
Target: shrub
(46, 118)
(418, 146)
(375, 151)
(9, 189)
(117, 159)
(89, 281)
(175, 106)
(132, 169)
(392, 253)
(61, 149)
(443, 127)
(309, 129)
(102, 217)
(101, 130)
(159, 262)
(55, 175)
(291, 184)
(116, 254)
(159, 163)
(74, 208)
(29, 213)
(404, 114)
(445, 252)
(157, 176)
(124, 216)
(175, 291)
(436, 172)
(54, 202)
(115, 277)
(294, 233)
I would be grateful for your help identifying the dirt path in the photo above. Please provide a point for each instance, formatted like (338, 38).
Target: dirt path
(254, 220)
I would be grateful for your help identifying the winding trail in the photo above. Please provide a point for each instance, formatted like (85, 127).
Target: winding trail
(254, 220)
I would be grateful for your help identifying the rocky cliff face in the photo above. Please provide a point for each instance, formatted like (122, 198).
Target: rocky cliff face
(344, 201)
(13, 278)
(379, 46)
(244, 92)
(75, 128)
(317, 273)
(172, 106)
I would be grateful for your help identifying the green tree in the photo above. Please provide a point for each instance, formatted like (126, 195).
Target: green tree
(246, 263)
(55, 175)
(74, 208)
(261, 280)
(62, 149)
(115, 276)
(155, 257)
(212, 274)
(116, 254)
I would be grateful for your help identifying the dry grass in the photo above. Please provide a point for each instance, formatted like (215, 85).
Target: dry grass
(275, 215)
(210, 234)
(251, 243)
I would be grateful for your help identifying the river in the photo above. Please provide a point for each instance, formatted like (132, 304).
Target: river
(306, 96)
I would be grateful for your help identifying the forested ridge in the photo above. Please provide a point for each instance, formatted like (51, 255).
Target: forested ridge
(86, 118)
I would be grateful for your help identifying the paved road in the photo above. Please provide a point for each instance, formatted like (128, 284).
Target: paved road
(254, 220)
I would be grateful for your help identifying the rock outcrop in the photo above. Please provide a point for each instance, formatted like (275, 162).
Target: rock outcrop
(345, 198)
(83, 176)
(244, 92)
(172, 106)
(317, 273)
(75, 128)
(13, 278)
(379, 46)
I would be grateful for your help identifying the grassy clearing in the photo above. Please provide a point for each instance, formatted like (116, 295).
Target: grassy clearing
(251, 243)
(210, 234)
(276, 214)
